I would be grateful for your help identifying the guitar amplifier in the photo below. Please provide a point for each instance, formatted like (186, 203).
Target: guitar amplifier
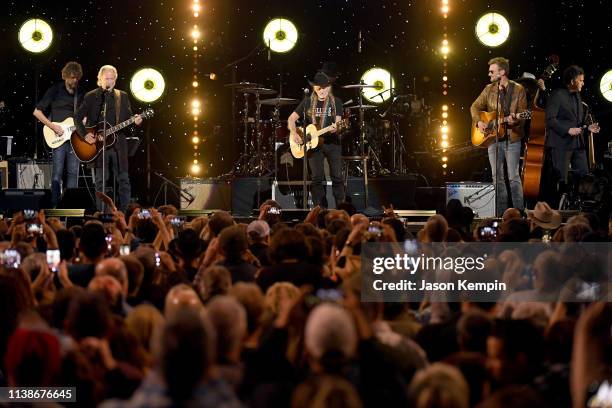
(480, 197)
(205, 194)
(34, 175)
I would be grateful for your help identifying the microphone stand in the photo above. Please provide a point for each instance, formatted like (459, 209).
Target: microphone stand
(304, 165)
(498, 83)
(104, 106)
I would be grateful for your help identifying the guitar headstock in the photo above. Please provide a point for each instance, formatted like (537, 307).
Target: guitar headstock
(553, 61)
(147, 113)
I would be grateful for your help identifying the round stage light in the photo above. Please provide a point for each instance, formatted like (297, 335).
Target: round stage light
(383, 82)
(605, 85)
(492, 29)
(35, 35)
(280, 35)
(147, 85)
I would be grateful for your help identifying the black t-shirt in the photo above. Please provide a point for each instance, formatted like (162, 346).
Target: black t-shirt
(59, 102)
(329, 117)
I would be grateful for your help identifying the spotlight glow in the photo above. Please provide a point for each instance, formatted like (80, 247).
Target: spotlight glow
(147, 85)
(605, 86)
(444, 144)
(383, 81)
(195, 169)
(492, 29)
(280, 35)
(35, 35)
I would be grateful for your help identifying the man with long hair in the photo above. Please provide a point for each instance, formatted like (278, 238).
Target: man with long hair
(323, 109)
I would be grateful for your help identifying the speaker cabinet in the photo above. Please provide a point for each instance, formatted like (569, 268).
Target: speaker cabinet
(33, 175)
(480, 197)
(205, 194)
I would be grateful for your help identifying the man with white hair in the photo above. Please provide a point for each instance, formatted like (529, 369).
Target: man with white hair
(329, 330)
(118, 109)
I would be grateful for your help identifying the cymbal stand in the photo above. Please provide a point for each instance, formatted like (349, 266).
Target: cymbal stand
(258, 163)
(362, 147)
(240, 166)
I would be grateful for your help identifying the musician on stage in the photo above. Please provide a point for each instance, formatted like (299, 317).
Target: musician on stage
(565, 126)
(323, 109)
(118, 109)
(61, 102)
(512, 100)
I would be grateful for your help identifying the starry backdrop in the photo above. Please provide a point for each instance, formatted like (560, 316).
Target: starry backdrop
(401, 36)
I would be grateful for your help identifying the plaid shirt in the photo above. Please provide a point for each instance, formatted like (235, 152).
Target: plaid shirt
(487, 101)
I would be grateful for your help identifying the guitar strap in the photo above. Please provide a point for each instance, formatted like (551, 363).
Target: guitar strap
(117, 105)
(74, 108)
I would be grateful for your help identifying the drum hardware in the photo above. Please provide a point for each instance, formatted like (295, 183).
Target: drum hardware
(277, 102)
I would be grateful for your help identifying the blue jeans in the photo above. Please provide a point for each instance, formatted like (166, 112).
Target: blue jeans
(63, 155)
(511, 152)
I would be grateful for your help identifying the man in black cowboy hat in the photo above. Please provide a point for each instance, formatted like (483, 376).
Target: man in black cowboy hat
(323, 109)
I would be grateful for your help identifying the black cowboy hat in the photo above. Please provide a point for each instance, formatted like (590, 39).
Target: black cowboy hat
(326, 75)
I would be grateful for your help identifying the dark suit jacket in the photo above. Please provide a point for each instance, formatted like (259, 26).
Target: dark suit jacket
(561, 115)
(91, 107)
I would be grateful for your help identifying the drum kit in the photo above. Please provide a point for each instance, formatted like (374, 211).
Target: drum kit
(259, 136)
(373, 135)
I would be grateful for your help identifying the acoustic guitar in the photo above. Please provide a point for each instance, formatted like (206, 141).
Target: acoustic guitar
(86, 152)
(494, 125)
(311, 141)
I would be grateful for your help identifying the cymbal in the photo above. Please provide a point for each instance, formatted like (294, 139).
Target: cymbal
(279, 101)
(243, 84)
(362, 106)
(259, 90)
(359, 86)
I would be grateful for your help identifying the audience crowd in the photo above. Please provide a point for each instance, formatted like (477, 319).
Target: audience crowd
(148, 309)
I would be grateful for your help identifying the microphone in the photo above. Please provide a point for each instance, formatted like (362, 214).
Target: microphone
(306, 91)
(359, 42)
(269, 56)
(347, 102)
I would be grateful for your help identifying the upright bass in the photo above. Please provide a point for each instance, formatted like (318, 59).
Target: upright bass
(534, 151)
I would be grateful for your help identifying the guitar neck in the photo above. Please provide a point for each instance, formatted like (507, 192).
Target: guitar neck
(120, 126)
(328, 128)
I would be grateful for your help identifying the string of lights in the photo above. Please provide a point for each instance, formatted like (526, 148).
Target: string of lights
(196, 104)
(444, 50)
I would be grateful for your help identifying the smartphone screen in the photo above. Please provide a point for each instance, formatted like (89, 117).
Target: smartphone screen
(53, 259)
(124, 249)
(11, 258)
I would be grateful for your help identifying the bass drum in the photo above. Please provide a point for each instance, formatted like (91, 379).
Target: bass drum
(272, 132)
(288, 167)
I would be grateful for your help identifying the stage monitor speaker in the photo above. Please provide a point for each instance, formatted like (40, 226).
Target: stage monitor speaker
(249, 193)
(289, 194)
(480, 197)
(74, 198)
(397, 190)
(208, 194)
(15, 199)
(33, 175)
(4, 174)
(6, 146)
